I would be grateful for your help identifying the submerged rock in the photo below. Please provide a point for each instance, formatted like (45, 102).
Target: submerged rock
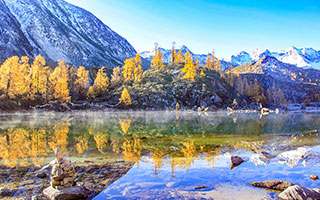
(299, 193)
(41, 174)
(236, 161)
(75, 192)
(5, 192)
(272, 185)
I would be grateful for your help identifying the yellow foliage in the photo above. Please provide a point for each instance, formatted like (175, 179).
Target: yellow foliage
(82, 144)
(189, 68)
(101, 140)
(138, 68)
(202, 73)
(39, 77)
(125, 125)
(125, 98)
(59, 138)
(212, 63)
(174, 55)
(132, 150)
(6, 71)
(180, 56)
(16, 145)
(189, 152)
(59, 80)
(132, 69)
(82, 81)
(157, 62)
(128, 69)
(101, 83)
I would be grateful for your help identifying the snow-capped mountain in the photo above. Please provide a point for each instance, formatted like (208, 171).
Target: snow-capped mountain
(56, 30)
(303, 57)
(241, 59)
(269, 65)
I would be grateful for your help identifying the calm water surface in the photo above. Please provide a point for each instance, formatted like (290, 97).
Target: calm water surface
(173, 152)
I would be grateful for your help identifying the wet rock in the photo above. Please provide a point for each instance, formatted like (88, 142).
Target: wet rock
(75, 192)
(236, 161)
(41, 175)
(299, 193)
(5, 192)
(314, 177)
(267, 155)
(272, 185)
(200, 187)
(38, 197)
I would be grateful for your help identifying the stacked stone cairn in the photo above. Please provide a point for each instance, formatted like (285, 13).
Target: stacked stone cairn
(62, 174)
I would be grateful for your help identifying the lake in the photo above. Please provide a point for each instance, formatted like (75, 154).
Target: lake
(172, 155)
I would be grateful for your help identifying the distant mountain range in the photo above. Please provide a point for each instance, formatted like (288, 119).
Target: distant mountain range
(269, 65)
(56, 30)
(303, 58)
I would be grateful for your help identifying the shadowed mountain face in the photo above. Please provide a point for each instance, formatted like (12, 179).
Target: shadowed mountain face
(56, 30)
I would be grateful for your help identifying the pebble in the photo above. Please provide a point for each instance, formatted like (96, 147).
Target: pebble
(41, 175)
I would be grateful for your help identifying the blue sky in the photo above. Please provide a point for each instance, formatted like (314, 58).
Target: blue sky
(228, 26)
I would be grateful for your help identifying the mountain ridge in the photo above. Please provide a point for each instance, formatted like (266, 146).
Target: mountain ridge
(56, 30)
(303, 57)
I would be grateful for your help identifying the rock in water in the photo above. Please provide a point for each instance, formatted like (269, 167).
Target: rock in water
(299, 193)
(5, 192)
(272, 185)
(41, 175)
(314, 177)
(75, 192)
(236, 161)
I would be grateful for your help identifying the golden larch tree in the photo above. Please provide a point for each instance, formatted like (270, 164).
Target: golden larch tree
(19, 77)
(59, 79)
(6, 74)
(82, 81)
(190, 68)
(39, 77)
(101, 83)
(137, 68)
(180, 56)
(128, 69)
(212, 63)
(174, 55)
(157, 62)
(115, 76)
(125, 98)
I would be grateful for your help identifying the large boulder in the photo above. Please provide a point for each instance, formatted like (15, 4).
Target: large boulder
(299, 193)
(236, 161)
(75, 192)
(272, 185)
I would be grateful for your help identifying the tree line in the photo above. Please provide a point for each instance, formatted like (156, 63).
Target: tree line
(32, 80)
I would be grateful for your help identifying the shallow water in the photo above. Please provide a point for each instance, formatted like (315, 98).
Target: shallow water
(173, 152)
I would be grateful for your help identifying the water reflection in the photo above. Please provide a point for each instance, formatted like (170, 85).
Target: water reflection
(176, 139)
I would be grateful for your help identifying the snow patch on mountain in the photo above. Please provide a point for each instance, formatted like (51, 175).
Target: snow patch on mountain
(56, 30)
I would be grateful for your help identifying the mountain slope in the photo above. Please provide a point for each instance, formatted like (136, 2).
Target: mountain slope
(56, 30)
(296, 83)
(282, 71)
(304, 57)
